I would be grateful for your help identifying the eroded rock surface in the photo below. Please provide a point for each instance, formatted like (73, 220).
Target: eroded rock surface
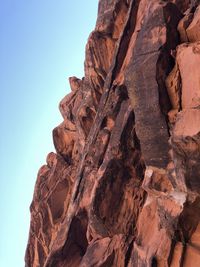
(123, 188)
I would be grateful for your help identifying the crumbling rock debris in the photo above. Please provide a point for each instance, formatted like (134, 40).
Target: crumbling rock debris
(123, 188)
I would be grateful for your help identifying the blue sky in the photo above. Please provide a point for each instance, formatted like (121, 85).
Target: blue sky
(42, 44)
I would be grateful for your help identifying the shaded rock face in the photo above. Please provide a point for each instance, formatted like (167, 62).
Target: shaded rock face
(123, 188)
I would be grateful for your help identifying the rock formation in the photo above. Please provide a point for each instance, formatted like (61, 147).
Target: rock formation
(123, 188)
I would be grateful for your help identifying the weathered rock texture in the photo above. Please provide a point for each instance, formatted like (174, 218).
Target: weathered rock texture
(123, 188)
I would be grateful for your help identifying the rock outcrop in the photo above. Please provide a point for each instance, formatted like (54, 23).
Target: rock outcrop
(123, 188)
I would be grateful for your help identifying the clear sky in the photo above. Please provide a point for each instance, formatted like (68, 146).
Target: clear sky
(42, 44)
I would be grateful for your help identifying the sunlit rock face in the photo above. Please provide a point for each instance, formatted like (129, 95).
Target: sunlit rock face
(123, 188)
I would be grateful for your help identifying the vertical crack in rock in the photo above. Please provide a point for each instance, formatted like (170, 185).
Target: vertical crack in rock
(123, 187)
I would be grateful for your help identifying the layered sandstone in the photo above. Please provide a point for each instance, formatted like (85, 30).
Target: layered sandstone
(123, 187)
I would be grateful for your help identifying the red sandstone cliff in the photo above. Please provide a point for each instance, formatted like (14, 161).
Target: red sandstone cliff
(123, 188)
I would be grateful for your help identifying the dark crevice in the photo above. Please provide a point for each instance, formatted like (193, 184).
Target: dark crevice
(194, 4)
(164, 65)
(78, 186)
(180, 95)
(124, 42)
(154, 262)
(165, 61)
(131, 149)
(68, 129)
(173, 244)
(183, 255)
(77, 236)
(128, 254)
